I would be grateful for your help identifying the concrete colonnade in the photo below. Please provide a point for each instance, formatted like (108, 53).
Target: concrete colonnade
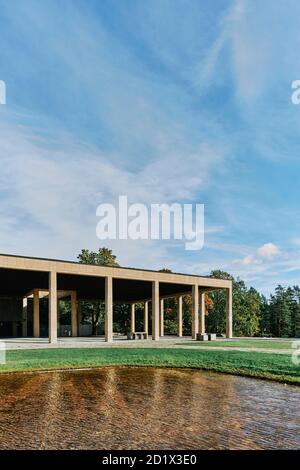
(53, 320)
(22, 271)
(198, 311)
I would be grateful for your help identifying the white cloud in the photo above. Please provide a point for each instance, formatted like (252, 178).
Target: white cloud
(51, 193)
(268, 250)
(162, 149)
(265, 252)
(250, 259)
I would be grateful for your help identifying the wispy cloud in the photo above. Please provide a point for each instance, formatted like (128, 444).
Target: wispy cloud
(192, 104)
(266, 252)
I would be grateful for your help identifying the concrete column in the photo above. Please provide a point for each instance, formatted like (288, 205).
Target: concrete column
(108, 309)
(36, 313)
(155, 310)
(146, 309)
(229, 313)
(58, 319)
(52, 307)
(132, 318)
(179, 315)
(162, 318)
(78, 317)
(202, 313)
(195, 311)
(74, 317)
(24, 317)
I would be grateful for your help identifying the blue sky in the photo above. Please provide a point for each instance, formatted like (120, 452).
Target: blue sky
(165, 101)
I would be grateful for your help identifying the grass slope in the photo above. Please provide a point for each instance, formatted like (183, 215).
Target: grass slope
(254, 364)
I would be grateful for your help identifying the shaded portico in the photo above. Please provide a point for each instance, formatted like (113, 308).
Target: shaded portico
(33, 278)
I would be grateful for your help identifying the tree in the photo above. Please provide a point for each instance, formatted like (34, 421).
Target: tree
(280, 312)
(265, 324)
(246, 308)
(296, 313)
(253, 314)
(95, 309)
(215, 321)
(247, 317)
(104, 257)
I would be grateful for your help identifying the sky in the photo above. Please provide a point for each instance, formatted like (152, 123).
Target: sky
(163, 101)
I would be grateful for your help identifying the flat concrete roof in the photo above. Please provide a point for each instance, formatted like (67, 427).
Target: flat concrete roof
(20, 274)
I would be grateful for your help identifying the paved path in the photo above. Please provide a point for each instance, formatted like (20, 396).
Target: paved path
(122, 342)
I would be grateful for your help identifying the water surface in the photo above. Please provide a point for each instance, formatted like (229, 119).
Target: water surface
(139, 408)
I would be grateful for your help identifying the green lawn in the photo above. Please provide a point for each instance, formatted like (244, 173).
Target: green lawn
(255, 364)
(248, 343)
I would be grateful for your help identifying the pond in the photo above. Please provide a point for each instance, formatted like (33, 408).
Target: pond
(139, 408)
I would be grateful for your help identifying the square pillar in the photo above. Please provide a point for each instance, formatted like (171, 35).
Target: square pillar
(58, 319)
(155, 310)
(52, 307)
(146, 309)
(132, 319)
(24, 317)
(162, 318)
(229, 313)
(74, 315)
(195, 311)
(36, 313)
(202, 313)
(108, 309)
(179, 315)
(78, 316)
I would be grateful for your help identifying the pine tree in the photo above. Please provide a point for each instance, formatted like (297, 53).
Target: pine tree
(265, 325)
(296, 312)
(281, 312)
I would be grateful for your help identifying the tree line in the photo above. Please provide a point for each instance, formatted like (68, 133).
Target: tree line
(253, 313)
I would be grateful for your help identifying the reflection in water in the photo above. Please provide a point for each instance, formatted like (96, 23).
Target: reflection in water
(136, 408)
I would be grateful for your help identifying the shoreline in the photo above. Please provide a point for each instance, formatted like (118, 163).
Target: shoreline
(148, 366)
(242, 364)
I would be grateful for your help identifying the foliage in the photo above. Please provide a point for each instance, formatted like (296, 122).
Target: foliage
(104, 257)
(253, 314)
(246, 306)
(93, 311)
(281, 315)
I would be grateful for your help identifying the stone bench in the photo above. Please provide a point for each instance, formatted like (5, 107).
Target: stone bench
(212, 336)
(202, 337)
(137, 335)
(206, 337)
